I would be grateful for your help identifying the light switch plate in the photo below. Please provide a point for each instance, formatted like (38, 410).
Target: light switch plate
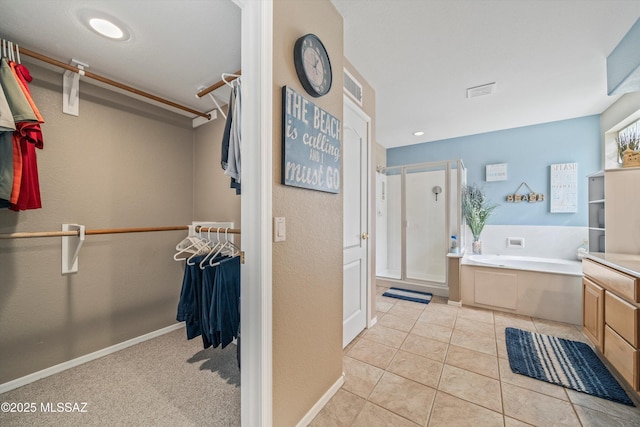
(279, 229)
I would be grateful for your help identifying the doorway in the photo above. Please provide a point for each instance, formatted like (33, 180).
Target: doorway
(355, 157)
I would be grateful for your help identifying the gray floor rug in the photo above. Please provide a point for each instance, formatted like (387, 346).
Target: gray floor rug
(166, 381)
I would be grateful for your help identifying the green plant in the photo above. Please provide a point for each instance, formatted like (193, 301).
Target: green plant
(476, 209)
(627, 141)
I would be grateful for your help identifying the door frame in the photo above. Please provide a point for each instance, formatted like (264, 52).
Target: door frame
(370, 272)
(256, 398)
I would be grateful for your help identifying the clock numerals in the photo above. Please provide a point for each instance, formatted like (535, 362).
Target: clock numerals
(312, 65)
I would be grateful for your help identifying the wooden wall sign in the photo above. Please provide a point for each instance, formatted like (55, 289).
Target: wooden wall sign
(311, 146)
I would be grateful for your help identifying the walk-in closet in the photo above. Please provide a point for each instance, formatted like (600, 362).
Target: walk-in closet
(137, 193)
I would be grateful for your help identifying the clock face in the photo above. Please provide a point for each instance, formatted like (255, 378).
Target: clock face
(312, 65)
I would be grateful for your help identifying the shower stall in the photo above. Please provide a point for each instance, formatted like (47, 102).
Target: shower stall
(417, 212)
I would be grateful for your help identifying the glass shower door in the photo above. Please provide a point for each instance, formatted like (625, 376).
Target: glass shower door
(425, 231)
(389, 224)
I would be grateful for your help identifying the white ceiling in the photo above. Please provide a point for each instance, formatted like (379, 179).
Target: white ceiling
(547, 57)
(177, 47)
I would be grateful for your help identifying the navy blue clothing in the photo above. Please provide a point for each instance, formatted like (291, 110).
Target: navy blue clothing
(188, 310)
(210, 301)
(224, 320)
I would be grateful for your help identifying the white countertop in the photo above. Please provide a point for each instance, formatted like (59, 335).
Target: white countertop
(627, 263)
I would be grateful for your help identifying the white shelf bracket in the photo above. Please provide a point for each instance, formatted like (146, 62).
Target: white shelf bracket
(71, 248)
(71, 88)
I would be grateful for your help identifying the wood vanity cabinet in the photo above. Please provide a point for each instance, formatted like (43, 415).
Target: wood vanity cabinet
(611, 317)
(593, 312)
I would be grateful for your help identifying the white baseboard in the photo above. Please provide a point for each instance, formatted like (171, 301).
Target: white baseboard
(372, 322)
(19, 382)
(455, 303)
(315, 410)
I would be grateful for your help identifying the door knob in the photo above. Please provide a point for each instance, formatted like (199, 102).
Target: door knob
(365, 236)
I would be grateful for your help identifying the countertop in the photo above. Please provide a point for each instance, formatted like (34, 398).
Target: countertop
(627, 263)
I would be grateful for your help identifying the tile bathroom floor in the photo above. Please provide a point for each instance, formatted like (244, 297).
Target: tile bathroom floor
(441, 365)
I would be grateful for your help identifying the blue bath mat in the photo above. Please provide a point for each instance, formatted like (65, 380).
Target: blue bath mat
(567, 363)
(405, 294)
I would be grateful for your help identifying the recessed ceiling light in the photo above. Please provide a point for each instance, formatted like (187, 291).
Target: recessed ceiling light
(418, 133)
(106, 28)
(104, 24)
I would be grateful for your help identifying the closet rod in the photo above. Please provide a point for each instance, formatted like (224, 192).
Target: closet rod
(215, 86)
(113, 231)
(108, 81)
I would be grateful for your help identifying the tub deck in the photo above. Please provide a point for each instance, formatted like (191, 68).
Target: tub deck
(553, 292)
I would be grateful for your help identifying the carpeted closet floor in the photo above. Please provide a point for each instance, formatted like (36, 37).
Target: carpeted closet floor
(166, 381)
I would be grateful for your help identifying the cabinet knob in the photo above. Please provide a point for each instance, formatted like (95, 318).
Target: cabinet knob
(365, 236)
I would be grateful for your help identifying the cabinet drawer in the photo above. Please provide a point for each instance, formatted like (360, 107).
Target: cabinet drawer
(622, 317)
(622, 356)
(614, 280)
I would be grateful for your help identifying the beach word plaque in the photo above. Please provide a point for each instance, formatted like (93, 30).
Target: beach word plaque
(311, 144)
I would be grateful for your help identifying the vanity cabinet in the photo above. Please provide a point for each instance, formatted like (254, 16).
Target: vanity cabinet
(611, 316)
(593, 312)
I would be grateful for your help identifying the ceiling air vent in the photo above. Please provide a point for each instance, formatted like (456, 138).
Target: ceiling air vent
(353, 87)
(487, 89)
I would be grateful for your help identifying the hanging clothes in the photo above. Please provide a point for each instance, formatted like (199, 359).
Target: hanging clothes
(231, 139)
(210, 300)
(22, 175)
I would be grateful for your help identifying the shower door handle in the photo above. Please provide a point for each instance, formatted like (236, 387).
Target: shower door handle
(365, 236)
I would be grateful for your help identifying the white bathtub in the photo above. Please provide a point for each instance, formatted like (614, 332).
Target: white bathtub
(546, 265)
(545, 288)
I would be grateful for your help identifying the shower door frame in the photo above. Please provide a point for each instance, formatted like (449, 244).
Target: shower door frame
(438, 288)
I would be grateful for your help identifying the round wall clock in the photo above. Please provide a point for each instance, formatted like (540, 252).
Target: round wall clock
(312, 65)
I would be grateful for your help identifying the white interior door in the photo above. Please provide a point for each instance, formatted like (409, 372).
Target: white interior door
(356, 244)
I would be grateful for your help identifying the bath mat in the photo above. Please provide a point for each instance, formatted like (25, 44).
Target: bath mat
(405, 294)
(567, 363)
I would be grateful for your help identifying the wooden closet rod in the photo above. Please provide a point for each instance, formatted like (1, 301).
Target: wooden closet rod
(113, 231)
(215, 86)
(108, 81)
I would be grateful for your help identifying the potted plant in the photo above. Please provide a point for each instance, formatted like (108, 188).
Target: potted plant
(628, 146)
(476, 210)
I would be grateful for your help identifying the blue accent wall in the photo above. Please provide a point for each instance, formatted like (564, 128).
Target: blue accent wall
(529, 152)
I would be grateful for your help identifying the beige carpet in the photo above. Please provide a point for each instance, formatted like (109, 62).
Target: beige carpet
(166, 381)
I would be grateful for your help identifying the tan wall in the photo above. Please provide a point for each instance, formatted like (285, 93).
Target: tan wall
(307, 267)
(213, 199)
(121, 163)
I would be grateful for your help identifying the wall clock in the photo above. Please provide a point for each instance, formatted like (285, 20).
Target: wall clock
(312, 65)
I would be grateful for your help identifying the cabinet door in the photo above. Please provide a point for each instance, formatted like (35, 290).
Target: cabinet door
(592, 312)
(622, 207)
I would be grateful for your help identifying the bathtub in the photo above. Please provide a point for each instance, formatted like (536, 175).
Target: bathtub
(545, 288)
(546, 265)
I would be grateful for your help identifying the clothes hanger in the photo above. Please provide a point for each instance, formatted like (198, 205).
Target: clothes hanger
(213, 249)
(191, 244)
(230, 82)
(228, 245)
(202, 250)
